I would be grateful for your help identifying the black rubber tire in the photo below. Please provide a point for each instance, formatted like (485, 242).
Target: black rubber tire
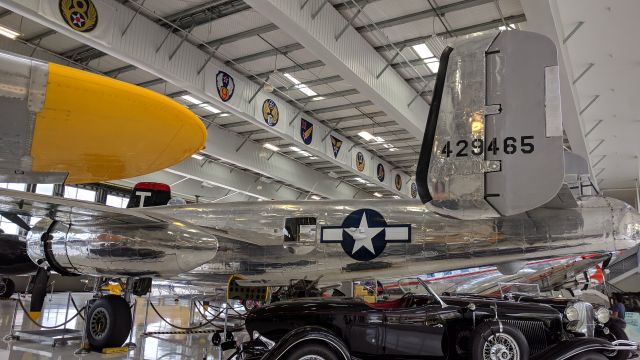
(318, 349)
(589, 355)
(7, 289)
(490, 328)
(118, 325)
(616, 332)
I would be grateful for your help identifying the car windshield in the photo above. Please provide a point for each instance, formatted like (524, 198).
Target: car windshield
(392, 289)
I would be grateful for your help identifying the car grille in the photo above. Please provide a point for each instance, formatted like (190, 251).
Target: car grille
(533, 331)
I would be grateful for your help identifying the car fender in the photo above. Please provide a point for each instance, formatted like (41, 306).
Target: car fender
(568, 348)
(304, 334)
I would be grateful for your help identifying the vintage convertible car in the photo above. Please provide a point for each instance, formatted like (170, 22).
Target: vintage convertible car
(417, 325)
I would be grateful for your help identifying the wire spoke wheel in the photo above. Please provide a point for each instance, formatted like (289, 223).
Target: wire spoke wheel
(99, 323)
(3, 287)
(501, 347)
(312, 357)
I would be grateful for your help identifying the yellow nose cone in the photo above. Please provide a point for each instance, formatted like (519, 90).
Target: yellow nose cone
(97, 128)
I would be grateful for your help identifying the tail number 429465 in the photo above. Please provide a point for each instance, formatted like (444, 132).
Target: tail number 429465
(509, 145)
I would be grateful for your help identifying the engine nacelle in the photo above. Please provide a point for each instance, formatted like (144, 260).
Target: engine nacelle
(157, 250)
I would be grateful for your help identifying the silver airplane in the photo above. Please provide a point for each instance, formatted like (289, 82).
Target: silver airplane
(490, 177)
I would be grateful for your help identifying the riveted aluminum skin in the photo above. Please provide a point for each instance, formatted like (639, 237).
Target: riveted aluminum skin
(157, 250)
(251, 240)
(23, 83)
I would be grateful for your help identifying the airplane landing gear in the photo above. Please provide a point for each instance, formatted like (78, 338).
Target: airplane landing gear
(108, 322)
(7, 288)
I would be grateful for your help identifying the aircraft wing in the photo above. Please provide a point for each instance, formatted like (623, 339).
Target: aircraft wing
(68, 210)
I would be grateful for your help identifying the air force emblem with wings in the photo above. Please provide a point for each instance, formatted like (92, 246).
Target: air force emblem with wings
(364, 234)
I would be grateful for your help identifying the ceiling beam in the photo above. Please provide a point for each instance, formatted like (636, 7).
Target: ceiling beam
(348, 53)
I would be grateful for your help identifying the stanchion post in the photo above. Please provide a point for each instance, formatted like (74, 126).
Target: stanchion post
(191, 312)
(84, 346)
(131, 345)
(66, 313)
(53, 285)
(12, 335)
(146, 315)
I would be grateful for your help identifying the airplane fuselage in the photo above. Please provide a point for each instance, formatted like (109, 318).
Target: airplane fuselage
(342, 246)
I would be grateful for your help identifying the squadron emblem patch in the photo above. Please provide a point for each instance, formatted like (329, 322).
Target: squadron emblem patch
(270, 112)
(336, 144)
(225, 85)
(360, 161)
(80, 15)
(380, 172)
(306, 131)
(414, 190)
(398, 182)
(364, 234)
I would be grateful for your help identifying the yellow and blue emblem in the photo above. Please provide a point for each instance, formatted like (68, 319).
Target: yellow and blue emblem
(398, 182)
(270, 112)
(360, 161)
(336, 144)
(380, 172)
(225, 85)
(80, 15)
(306, 131)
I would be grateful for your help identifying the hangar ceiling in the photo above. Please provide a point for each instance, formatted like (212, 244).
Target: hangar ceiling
(381, 89)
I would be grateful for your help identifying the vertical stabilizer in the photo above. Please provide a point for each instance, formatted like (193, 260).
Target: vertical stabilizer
(493, 142)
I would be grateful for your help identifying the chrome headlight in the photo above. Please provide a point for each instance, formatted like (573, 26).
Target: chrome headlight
(602, 315)
(572, 313)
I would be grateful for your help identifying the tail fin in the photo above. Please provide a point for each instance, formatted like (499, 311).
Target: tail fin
(493, 141)
(147, 194)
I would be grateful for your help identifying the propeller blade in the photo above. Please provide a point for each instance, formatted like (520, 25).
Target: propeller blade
(14, 218)
(38, 292)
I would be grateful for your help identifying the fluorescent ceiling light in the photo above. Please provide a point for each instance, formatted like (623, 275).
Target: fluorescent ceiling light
(207, 184)
(365, 135)
(423, 51)
(377, 194)
(388, 146)
(433, 65)
(393, 149)
(305, 89)
(209, 108)
(292, 79)
(271, 147)
(313, 158)
(318, 98)
(224, 115)
(191, 99)
(294, 148)
(304, 153)
(197, 156)
(396, 197)
(378, 139)
(370, 184)
(5, 31)
(315, 197)
(360, 180)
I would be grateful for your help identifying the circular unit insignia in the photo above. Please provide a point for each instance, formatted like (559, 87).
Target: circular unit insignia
(398, 182)
(380, 172)
(270, 112)
(414, 190)
(80, 15)
(360, 161)
(225, 85)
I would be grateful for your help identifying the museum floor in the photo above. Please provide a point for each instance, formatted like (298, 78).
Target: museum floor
(195, 346)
